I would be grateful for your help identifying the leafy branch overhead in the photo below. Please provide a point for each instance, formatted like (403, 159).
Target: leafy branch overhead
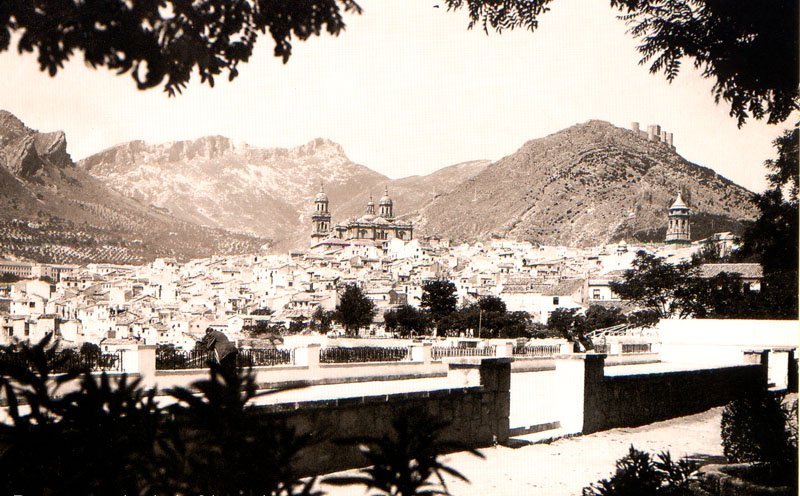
(749, 49)
(164, 40)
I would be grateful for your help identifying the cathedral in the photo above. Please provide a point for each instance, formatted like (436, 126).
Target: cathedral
(375, 226)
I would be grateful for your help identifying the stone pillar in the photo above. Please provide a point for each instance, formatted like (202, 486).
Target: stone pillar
(495, 377)
(791, 369)
(566, 348)
(461, 374)
(142, 362)
(421, 352)
(308, 356)
(760, 357)
(614, 348)
(580, 377)
(504, 350)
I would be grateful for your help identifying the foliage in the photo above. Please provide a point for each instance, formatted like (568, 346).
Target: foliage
(98, 438)
(88, 348)
(651, 282)
(538, 330)
(600, 317)
(92, 435)
(264, 328)
(224, 447)
(354, 310)
(297, 325)
(266, 311)
(164, 41)
(568, 322)
(637, 474)
(439, 298)
(643, 318)
(760, 428)
(749, 49)
(407, 464)
(487, 318)
(321, 320)
(407, 319)
(773, 238)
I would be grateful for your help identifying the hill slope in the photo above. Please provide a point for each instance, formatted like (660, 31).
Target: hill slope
(52, 211)
(589, 184)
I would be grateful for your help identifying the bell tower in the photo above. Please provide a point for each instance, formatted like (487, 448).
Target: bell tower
(678, 229)
(385, 204)
(321, 217)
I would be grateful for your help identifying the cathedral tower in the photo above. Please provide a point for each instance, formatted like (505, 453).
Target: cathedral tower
(678, 230)
(321, 218)
(385, 205)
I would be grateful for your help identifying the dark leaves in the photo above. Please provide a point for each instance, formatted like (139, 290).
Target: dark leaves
(164, 41)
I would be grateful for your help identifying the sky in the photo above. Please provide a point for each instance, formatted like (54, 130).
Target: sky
(407, 89)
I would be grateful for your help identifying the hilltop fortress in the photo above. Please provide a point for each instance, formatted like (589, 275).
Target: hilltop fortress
(654, 133)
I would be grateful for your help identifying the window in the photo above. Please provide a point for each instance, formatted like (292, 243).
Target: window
(595, 294)
(555, 300)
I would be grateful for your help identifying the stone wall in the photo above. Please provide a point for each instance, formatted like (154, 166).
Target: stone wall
(630, 400)
(477, 416)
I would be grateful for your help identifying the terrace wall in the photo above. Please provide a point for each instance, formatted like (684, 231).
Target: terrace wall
(477, 416)
(603, 402)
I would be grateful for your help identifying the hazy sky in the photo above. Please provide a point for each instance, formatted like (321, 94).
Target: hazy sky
(407, 89)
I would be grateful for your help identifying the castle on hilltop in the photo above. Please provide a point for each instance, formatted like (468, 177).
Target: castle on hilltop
(654, 133)
(378, 227)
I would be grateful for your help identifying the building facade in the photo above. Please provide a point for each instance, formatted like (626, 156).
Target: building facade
(380, 226)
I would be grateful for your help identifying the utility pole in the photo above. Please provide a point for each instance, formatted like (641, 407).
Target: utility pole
(480, 321)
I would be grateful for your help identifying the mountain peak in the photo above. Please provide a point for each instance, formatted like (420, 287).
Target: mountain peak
(26, 152)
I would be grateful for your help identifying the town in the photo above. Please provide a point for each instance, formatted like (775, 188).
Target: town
(170, 303)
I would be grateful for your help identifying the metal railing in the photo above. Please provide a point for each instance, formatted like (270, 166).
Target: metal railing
(69, 361)
(362, 354)
(439, 352)
(636, 348)
(536, 351)
(174, 359)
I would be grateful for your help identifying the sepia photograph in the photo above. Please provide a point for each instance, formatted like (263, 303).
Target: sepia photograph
(430, 247)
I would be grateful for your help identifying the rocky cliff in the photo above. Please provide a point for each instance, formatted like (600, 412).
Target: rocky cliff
(52, 211)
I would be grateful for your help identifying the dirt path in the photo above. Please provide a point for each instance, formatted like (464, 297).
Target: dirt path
(565, 466)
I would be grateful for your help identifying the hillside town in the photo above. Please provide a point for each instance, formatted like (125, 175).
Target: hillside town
(171, 303)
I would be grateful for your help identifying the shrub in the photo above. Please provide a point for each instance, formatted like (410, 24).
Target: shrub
(638, 474)
(407, 464)
(761, 429)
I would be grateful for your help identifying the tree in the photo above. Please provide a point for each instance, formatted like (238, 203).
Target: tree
(165, 40)
(569, 323)
(749, 49)
(321, 320)
(652, 282)
(600, 317)
(297, 325)
(354, 310)
(407, 319)
(439, 298)
(773, 239)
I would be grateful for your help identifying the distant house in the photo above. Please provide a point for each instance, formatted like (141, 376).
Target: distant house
(751, 273)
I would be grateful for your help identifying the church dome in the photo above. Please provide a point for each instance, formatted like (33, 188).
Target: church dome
(385, 200)
(321, 196)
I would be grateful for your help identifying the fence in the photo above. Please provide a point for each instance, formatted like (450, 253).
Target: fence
(636, 348)
(172, 359)
(546, 350)
(439, 352)
(362, 354)
(69, 360)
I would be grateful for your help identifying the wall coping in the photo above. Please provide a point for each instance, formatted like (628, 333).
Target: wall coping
(169, 372)
(578, 356)
(324, 365)
(362, 400)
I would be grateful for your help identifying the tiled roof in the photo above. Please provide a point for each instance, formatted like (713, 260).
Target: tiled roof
(746, 270)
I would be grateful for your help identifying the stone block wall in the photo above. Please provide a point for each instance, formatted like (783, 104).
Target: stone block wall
(630, 400)
(477, 417)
